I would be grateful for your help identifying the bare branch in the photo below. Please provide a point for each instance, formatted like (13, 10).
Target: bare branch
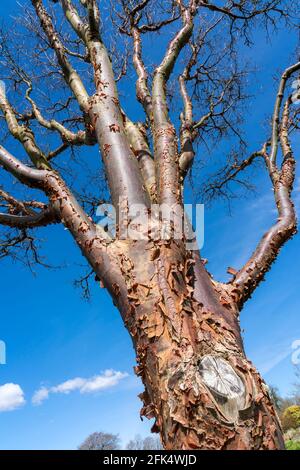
(186, 131)
(239, 10)
(45, 217)
(22, 133)
(83, 283)
(138, 140)
(135, 29)
(247, 278)
(63, 205)
(23, 214)
(122, 168)
(29, 176)
(15, 206)
(218, 183)
(142, 90)
(57, 151)
(71, 76)
(165, 145)
(276, 115)
(20, 245)
(67, 136)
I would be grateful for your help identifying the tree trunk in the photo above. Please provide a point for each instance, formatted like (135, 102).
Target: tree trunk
(199, 386)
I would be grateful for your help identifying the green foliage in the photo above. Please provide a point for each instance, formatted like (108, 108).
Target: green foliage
(291, 417)
(292, 445)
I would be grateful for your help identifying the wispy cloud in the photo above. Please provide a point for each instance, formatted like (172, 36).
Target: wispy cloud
(11, 397)
(108, 379)
(296, 194)
(40, 395)
(269, 363)
(269, 355)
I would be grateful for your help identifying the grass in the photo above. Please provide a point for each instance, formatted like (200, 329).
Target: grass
(292, 445)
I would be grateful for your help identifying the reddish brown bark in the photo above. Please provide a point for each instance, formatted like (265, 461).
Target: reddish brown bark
(172, 332)
(199, 385)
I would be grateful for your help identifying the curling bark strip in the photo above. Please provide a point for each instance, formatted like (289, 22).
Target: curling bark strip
(200, 388)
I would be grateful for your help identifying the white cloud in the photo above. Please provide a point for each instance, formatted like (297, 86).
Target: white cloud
(40, 395)
(69, 386)
(109, 378)
(11, 397)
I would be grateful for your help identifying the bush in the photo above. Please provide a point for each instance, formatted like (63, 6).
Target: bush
(292, 445)
(291, 418)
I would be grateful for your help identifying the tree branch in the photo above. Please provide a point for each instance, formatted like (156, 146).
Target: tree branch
(70, 75)
(22, 133)
(245, 14)
(57, 151)
(138, 141)
(142, 91)
(45, 217)
(165, 144)
(29, 176)
(91, 239)
(247, 278)
(229, 174)
(186, 131)
(133, 17)
(79, 138)
(122, 169)
(276, 115)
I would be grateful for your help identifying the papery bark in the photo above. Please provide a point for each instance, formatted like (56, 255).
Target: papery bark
(199, 386)
(173, 332)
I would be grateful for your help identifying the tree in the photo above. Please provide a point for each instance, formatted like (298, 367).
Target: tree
(199, 386)
(296, 394)
(276, 397)
(291, 418)
(148, 443)
(100, 441)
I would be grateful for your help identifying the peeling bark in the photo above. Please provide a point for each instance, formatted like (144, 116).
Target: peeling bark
(175, 337)
(199, 386)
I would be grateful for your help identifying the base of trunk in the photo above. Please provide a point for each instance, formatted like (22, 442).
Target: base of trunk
(218, 402)
(199, 386)
(204, 393)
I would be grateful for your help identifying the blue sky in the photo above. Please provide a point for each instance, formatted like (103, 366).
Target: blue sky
(52, 335)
